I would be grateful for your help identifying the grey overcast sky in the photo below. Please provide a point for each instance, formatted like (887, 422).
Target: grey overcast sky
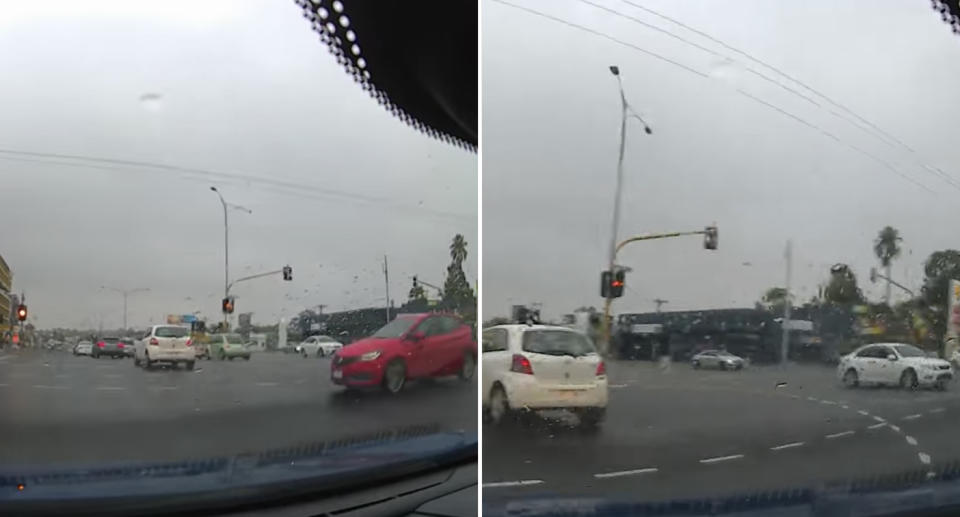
(239, 88)
(551, 120)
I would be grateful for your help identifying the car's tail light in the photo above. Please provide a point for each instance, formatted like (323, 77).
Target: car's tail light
(153, 341)
(601, 369)
(100, 344)
(521, 365)
(189, 342)
(119, 345)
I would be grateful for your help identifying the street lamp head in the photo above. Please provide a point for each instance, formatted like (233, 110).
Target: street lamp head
(213, 189)
(647, 129)
(614, 69)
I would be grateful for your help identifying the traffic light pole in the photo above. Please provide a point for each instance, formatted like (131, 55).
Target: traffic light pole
(609, 300)
(251, 277)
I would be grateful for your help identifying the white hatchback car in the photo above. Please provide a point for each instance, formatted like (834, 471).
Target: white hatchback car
(319, 346)
(165, 344)
(894, 364)
(539, 367)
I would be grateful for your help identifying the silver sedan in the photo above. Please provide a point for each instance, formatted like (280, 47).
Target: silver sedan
(717, 359)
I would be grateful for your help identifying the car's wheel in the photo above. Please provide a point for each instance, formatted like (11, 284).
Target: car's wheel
(136, 362)
(246, 358)
(942, 384)
(395, 376)
(147, 363)
(222, 356)
(468, 367)
(695, 364)
(591, 417)
(499, 410)
(850, 378)
(908, 379)
(320, 352)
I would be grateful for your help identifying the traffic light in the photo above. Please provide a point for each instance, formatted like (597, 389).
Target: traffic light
(611, 284)
(710, 238)
(414, 281)
(22, 312)
(287, 273)
(227, 306)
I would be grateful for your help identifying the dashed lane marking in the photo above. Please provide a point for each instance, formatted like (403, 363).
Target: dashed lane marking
(812, 399)
(828, 402)
(937, 410)
(504, 484)
(844, 406)
(895, 428)
(924, 458)
(862, 412)
(48, 387)
(718, 459)
(268, 384)
(616, 386)
(876, 426)
(622, 473)
(879, 418)
(786, 446)
(839, 435)
(913, 416)
(911, 440)
(166, 388)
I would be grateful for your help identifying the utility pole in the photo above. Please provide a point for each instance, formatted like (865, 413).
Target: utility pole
(659, 302)
(785, 325)
(386, 281)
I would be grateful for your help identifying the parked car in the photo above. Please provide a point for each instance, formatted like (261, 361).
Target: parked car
(83, 348)
(169, 344)
(894, 364)
(228, 346)
(108, 346)
(409, 347)
(541, 367)
(319, 346)
(717, 359)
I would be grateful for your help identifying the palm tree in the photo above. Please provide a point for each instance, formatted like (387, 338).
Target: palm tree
(887, 247)
(458, 249)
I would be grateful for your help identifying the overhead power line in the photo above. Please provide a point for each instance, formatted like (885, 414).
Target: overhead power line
(749, 96)
(280, 186)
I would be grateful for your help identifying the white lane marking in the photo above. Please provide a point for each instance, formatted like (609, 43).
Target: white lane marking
(794, 396)
(786, 446)
(862, 412)
(110, 388)
(895, 428)
(911, 440)
(721, 458)
(268, 384)
(844, 406)
(812, 399)
(614, 386)
(937, 410)
(47, 387)
(875, 426)
(913, 416)
(879, 418)
(838, 435)
(501, 484)
(626, 473)
(828, 402)
(924, 458)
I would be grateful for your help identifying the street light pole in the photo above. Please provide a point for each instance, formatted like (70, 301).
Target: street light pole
(125, 293)
(617, 195)
(226, 246)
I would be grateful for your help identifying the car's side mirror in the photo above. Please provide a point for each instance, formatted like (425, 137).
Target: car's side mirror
(416, 337)
(891, 357)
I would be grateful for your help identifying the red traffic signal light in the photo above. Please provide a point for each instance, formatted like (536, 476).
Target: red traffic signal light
(611, 284)
(710, 238)
(22, 312)
(227, 306)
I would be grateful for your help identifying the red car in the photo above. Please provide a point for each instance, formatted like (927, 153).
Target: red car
(411, 346)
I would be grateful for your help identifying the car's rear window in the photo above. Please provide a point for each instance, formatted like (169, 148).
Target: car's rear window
(110, 339)
(172, 332)
(557, 342)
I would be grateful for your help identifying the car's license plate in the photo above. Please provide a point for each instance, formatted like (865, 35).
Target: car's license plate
(338, 374)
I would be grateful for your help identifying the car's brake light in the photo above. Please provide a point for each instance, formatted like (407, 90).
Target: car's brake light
(119, 345)
(189, 342)
(153, 341)
(601, 369)
(521, 365)
(100, 344)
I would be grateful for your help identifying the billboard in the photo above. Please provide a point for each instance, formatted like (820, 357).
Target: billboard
(953, 319)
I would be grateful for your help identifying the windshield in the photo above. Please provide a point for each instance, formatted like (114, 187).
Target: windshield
(557, 342)
(171, 332)
(395, 328)
(909, 351)
(208, 179)
(763, 182)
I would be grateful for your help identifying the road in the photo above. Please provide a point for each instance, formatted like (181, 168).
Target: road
(58, 408)
(687, 433)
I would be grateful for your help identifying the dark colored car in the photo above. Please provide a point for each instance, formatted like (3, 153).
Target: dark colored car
(109, 346)
(409, 347)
